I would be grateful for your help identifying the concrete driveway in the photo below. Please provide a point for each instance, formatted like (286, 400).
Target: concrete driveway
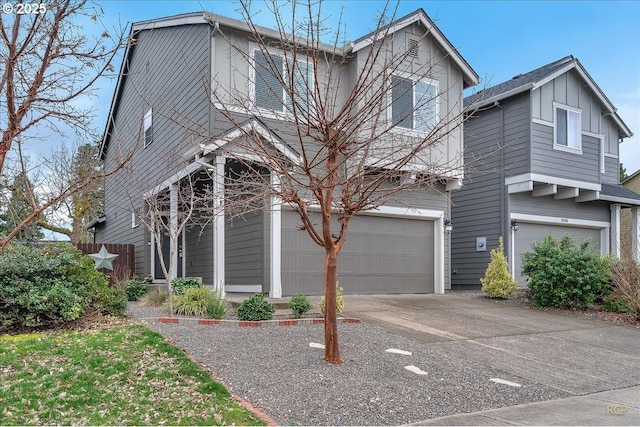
(597, 362)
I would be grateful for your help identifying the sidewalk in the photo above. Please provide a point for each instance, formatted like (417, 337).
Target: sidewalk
(610, 408)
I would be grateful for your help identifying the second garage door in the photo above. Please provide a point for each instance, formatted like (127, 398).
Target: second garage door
(529, 233)
(382, 255)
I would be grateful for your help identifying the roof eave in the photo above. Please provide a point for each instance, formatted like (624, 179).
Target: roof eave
(499, 97)
(621, 200)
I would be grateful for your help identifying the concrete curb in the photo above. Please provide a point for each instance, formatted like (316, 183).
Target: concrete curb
(248, 323)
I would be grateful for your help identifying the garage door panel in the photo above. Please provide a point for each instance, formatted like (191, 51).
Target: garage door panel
(380, 255)
(529, 233)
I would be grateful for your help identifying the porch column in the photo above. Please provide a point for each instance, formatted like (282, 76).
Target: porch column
(635, 233)
(275, 290)
(173, 224)
(615, 230)
(218, 225)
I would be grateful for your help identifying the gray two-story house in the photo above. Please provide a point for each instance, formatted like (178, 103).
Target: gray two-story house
(541, 153)
(165, 103)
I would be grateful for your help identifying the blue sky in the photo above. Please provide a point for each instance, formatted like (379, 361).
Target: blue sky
(499, 39)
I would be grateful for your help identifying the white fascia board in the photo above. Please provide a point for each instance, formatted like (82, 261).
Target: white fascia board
(574, 64)
(217, 20)
(187, 170)
(547, 179)
(571, 65)
(391, 212)
(262, 131)
(553, 220)
(492, 99)
(170, 21)
(621, 200)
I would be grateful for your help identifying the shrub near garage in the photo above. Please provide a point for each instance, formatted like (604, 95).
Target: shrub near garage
(299, 305)
(563, 274)
(44, 287)
(256, 308)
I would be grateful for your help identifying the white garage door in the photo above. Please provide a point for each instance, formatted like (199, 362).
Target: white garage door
(529, 233)
(381, 255)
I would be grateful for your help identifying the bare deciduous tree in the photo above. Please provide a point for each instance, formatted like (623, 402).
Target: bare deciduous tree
(346, 145)
(49, 68)
(66, 165)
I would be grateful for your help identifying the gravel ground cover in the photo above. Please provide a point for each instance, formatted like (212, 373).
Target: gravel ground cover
(277, 371)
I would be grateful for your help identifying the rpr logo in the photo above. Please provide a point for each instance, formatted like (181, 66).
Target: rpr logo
(617, 409)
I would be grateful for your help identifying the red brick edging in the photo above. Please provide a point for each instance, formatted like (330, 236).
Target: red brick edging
(251, 323)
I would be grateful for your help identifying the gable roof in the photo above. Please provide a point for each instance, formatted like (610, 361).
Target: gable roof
(539, 77)
(631, 177)
(471, 78)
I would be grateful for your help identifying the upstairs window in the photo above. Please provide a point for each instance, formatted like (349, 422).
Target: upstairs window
(148, 127)
(568, 128)
(414, 104)
(269, 92)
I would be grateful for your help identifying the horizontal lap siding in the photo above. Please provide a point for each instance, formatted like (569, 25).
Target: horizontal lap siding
(524, 203)
(548, 161)
(611, 173)
(244, 245)
(478, 207)
(166, 74)
(199, 254)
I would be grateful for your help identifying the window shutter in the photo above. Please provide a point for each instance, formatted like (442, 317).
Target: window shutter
(402, 102)
(268, 88)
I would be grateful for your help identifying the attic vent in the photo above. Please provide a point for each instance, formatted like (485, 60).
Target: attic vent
(515, 77)
(413, 48)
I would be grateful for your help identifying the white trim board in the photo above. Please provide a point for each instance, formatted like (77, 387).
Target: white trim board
(554, 220)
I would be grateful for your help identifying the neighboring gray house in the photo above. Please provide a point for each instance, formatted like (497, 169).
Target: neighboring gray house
(165, 81)
(541, 154)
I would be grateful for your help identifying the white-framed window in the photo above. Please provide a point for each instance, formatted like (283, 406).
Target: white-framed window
(270, 93)
(134, 219)
(148, 127)
(414, 103)
(568, 127)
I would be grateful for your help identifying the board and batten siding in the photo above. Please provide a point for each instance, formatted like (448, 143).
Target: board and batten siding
(567, 89)
(496, 146)
(165, 74)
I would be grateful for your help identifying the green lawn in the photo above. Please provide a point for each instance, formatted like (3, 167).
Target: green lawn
(120, 375)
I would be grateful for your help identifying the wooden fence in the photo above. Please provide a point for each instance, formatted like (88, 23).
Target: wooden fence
(124, 266)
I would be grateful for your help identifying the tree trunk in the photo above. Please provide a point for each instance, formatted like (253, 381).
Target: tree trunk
(332, 349)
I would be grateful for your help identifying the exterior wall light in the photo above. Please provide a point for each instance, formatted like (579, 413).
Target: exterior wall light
(448, 227)
(514, 225)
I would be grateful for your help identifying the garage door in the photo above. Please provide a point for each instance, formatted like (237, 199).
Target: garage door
(381, 255)
(529, 233)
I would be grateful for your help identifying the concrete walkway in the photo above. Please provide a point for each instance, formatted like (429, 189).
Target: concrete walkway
(596, 362)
